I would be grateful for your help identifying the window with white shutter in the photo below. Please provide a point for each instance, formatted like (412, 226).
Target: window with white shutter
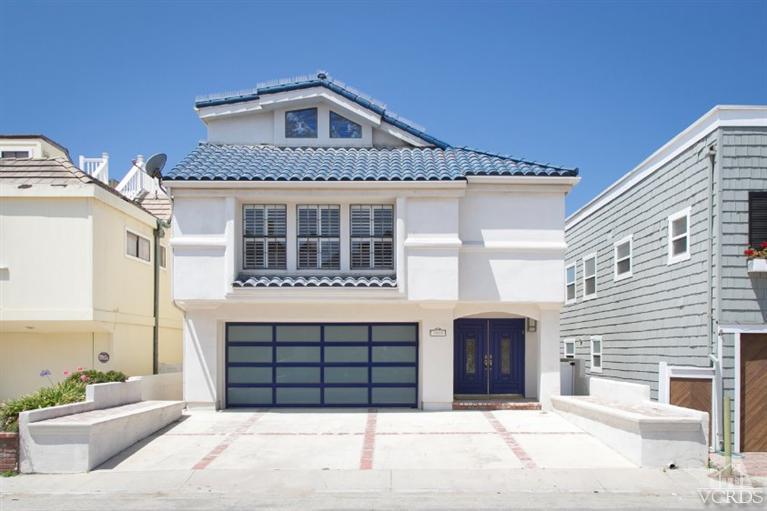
(264, 236)
(372, 237)
(318, 237)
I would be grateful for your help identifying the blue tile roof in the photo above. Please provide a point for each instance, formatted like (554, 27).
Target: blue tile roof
(229, 162)
(375, 281)
(320, 79)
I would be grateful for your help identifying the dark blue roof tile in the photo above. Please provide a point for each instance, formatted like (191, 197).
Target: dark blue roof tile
(220, 162)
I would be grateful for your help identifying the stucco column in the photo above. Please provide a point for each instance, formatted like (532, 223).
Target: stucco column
(548, 356)
(200, 370)
(436, 360)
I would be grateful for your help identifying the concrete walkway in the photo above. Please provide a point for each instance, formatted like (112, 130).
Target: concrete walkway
(385, 459)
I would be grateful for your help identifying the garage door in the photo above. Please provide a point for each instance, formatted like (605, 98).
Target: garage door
(321, 364)
(753, 393)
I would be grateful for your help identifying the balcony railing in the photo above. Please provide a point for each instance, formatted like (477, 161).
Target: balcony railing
(97, 167)
(137, 181)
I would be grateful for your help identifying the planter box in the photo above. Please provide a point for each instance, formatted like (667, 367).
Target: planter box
(9, 451)
(757, 266)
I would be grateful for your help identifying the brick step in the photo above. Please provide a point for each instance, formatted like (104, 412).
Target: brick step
(495, 405)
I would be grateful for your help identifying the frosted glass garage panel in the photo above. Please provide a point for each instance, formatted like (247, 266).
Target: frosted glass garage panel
(298, 396)
(346, 333)
(394, 333)
(346, 396)
(298, 354)
(249, 375)
(393, 395)
(250, 354)
(346, 354)
(298, 374)
(394, 353)
(394, 375)
(249, 333)
(346, 375)
(249, 396)
(299, 333)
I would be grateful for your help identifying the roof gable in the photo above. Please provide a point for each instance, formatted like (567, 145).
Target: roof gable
(321, 79)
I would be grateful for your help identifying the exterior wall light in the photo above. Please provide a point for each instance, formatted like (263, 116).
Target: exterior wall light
(532, 325)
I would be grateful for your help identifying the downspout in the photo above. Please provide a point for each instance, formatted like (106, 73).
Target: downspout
(159, 233)
(715, 359)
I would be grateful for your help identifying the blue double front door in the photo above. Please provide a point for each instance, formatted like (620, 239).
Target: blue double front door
(489, 356)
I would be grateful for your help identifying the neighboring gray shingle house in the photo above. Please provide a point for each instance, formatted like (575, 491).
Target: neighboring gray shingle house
(658, 289)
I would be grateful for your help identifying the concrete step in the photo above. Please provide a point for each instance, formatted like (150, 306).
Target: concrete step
(493, 404)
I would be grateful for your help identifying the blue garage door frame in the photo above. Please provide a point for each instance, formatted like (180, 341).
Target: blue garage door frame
(321, 365)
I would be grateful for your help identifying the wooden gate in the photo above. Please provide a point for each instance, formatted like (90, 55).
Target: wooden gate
(692, 393)
(753, 393)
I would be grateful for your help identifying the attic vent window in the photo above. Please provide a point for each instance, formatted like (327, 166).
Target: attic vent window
(301, 123)
(14, 154)
(341, 127)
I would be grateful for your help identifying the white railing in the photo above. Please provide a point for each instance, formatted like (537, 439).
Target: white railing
(137, 181)
(97, 167)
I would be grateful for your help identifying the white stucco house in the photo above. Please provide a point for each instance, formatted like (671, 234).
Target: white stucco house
(328, 252)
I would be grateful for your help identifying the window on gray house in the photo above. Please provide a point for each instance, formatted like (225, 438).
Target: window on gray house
(264, 236)
(596, 354)
(570, 283)
(623, 255)
(757, 218)
(372, 237)
(318, 237)
(341, 127)
(163, 257)
(590, 276)
(679, 236)
(137, 246)
(301, 123)
(569, 348)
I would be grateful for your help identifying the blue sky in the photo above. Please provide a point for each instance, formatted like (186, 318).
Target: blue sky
(597, 85)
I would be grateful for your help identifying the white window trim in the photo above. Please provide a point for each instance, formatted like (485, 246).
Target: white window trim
(167, 252)
(672, 259)
(630, 273)
(125, 247)
(596, 272)
(601, 353)
(571, 341)
(574, 266)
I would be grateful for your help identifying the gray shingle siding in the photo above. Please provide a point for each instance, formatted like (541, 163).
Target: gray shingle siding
(743, 297)
(744, 169)
(658, 314)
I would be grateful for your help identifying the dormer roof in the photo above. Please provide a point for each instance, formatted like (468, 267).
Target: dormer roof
(320, 79)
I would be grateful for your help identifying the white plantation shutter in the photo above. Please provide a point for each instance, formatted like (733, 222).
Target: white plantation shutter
(264, 236)
(318, 237)
(372, 237)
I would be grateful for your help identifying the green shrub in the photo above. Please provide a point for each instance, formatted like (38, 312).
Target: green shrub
(71, 390)
(92, 376)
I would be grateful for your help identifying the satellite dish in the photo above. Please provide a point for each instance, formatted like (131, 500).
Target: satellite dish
(155, 164)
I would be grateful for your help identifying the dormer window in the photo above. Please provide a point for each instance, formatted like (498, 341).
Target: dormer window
(341, 127)
(301, 123)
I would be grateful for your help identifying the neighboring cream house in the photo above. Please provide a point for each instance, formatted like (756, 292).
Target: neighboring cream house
(330, 253)
(77, 272)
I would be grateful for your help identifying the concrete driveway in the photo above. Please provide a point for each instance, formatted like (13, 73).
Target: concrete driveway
(368, 439)
(360, 459)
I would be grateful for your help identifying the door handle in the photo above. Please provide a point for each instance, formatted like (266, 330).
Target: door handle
(488, 361)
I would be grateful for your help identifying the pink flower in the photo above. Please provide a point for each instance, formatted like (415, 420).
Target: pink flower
(66, 373)
(79, 369)
(749, 252)
(84, 377)
(763, 244)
